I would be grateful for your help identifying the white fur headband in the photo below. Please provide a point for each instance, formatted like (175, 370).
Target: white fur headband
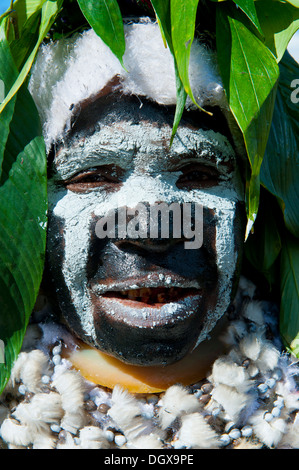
(69, 71)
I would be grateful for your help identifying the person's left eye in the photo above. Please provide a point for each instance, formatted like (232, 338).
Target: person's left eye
(107, 177)
(196, 176)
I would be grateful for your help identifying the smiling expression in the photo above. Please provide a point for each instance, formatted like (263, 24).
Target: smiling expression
(146, 301)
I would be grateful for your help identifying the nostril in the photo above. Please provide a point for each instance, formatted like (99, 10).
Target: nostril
(146, 245)
(128, 247)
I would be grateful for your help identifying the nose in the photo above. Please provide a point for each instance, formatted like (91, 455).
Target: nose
(136, 252)
(154, 228)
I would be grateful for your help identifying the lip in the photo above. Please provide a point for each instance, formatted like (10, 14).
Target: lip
(144, 334)
(120, 310)
(148, 335)
(152, 280)
(140, 316)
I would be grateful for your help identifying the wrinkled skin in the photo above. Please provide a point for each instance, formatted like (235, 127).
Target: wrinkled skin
(146, 301)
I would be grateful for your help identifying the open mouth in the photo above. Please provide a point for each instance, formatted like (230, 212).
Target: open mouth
(159, 323)
(149, 307)
(152, 295)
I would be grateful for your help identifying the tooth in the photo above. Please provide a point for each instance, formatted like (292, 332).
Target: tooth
(131, 294)
(161, 298)
(144, 291)
(174, 292)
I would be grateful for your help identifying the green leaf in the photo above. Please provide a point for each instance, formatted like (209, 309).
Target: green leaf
(180, 106)
(248, 7)
(183, 15)
(256, 136)
(49, 13)
(8, 75)
(279, 22)
(249, 73)
(264, 245)
(162, 11)
(23, 202)
(248, 69)
(166, 11)
(27, 16)
(294, 2)
(22, 47)
(289, 309)
(25, 9)
(5, 14)
(105, 18)
(280, 168)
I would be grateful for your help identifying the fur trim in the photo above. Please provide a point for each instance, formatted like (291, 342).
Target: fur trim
(249, 400)
(69, 71)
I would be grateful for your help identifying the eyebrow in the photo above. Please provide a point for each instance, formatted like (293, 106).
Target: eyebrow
(75, 164)
(74, 159)
(206, 152)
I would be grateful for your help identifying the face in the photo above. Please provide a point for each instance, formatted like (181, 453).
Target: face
(147, 301)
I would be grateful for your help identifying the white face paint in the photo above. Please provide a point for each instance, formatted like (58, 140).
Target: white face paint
(123, 164)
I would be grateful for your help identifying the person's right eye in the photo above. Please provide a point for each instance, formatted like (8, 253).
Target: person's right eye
(107, 177)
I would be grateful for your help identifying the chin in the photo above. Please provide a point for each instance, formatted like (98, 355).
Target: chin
(149, 334)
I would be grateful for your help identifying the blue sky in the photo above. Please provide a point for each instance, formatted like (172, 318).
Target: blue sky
(4, 4)
(293, 46)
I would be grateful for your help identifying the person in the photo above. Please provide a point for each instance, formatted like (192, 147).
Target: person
(148, 291)
(144, 300)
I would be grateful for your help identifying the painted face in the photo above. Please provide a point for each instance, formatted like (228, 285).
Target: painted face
(144, 300)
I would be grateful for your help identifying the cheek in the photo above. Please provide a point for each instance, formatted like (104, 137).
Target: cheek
(69, 238)
(73, 214)
(229, 243)
(77, 215)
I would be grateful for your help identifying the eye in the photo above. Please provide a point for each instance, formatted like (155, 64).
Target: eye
(107, 177)
(196, 176)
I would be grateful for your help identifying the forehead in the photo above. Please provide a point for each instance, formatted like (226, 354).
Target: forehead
(124, 129)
